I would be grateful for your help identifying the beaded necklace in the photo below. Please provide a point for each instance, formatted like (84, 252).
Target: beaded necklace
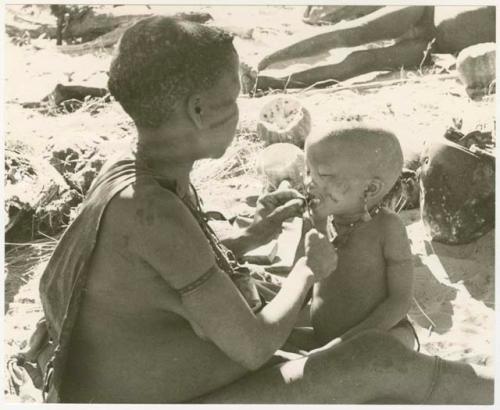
(339, 233)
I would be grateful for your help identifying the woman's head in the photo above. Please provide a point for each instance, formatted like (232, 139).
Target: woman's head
(161, 61)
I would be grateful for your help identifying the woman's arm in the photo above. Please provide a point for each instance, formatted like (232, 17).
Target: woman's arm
(251, 339)
(247, 338)
(171, 242)
(272, 210)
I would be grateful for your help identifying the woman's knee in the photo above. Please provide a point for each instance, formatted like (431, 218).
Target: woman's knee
(374, 361)
(379, 342)
(375, 352)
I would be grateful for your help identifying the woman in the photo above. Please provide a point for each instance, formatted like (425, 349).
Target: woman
(141, 298)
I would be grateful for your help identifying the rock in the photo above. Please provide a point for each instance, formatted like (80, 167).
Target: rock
(280, 162)
(457, 198)
(284, 119)
(69, 97)
(477, 70)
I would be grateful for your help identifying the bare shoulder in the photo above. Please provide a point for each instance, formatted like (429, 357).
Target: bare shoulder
(162, 230)
(144, 203)
(395, 237)
(391, 222)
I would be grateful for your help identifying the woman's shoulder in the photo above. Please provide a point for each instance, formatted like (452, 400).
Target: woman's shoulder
(161, 229)
(145, 200)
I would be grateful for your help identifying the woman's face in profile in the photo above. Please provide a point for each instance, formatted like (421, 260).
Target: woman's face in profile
(221, 114)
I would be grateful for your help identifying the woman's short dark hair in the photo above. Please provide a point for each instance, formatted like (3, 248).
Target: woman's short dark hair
(161, 60)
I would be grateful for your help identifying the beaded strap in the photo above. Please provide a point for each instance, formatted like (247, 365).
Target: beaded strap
(224, 257)
(225, 260)
(198, 282)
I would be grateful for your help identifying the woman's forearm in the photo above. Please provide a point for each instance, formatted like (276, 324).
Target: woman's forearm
(241, 241)
(278, 318)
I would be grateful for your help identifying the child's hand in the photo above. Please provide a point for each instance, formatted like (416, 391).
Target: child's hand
(321, 256)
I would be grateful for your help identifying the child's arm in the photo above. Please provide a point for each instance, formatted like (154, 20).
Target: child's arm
(397, 253)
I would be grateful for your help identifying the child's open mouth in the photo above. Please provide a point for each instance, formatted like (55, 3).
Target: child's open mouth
(312, 201)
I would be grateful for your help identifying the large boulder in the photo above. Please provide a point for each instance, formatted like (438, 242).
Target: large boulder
(476, 69)
(457, 199)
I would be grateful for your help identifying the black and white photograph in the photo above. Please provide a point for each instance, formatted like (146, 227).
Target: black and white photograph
(249, 203)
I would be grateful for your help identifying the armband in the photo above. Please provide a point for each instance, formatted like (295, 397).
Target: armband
(198, 282)
(397, 262)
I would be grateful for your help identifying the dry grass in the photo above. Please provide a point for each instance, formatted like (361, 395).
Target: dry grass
(418, 111)
(24, 264)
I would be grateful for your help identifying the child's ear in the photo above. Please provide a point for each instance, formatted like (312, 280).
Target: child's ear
(374, 188)
(194, 110)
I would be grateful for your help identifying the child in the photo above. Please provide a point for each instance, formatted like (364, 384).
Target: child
(349, 171)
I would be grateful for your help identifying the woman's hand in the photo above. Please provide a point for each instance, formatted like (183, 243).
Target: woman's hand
(272, 210)
(321, 256)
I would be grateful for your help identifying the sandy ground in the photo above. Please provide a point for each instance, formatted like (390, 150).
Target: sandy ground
(454, 294)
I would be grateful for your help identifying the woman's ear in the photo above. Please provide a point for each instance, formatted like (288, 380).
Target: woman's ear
(195, 111)
(374, 188)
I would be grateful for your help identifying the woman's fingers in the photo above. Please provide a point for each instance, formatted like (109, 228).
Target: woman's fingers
(278, 198)
(291, 208)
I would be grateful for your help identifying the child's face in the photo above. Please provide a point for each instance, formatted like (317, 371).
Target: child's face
(336, 184)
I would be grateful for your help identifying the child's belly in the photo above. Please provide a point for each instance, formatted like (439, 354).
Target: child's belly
(346, 298)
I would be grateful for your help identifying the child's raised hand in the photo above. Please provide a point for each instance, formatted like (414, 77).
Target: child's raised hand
(321, 256)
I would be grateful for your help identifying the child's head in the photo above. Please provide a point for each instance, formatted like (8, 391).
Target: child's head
(351, 163)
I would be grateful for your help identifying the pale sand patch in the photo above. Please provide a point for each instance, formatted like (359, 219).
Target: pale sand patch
(454, 286)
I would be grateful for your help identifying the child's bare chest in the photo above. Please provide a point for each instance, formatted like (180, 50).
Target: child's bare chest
(361, 269)
(353, 290)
